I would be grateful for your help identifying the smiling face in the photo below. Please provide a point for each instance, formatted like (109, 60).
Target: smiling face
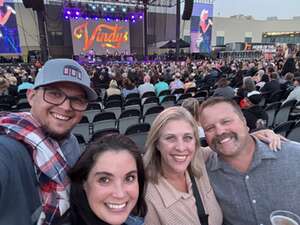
(225, 130)
(177, 146)
(56, 121)
(112, 186)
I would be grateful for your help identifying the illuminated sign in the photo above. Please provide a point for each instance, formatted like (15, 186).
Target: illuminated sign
(101, 36)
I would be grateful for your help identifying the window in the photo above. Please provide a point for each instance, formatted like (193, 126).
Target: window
(220, 40)
(248, 39)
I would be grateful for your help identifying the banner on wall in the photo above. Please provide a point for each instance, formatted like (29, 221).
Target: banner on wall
(201, 28)
(100, 36)
(9, 36)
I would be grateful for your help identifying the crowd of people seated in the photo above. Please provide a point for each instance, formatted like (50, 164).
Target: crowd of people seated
(237, 178)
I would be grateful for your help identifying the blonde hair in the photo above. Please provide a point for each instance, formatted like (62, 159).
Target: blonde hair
(192, 105)
(152, 158)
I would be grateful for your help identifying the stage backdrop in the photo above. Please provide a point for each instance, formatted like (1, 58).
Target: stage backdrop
(201, 28)
(104, 37)
(9, 36)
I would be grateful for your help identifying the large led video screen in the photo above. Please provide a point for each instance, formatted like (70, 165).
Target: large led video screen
(201, 28)
(9, 36)
(102, 36)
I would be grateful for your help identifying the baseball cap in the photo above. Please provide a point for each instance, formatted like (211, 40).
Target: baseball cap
(65, 70)
(254, 97)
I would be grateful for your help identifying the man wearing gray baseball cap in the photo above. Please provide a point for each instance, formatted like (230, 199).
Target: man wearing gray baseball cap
(37, 147)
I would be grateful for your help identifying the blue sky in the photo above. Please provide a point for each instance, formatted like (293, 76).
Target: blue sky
(259, 9)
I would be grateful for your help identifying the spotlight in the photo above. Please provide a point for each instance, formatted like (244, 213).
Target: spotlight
(117, 20)
(141, 17)
(126, 20)
(69, 12)
(104, 8)
(66, 17)
(76, 17)
(94, 7)
(96, 18)
(124, 9)
(132, 17)
(77, 13)
(133, 21)
(112, 9)
(86, 18)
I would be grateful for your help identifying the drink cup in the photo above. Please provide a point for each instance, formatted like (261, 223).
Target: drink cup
(281, 217)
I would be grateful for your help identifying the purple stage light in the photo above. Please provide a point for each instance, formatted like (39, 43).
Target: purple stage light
(133, 21)
(69, 12)
(141, 17)
(86, 18)
(77, 13)
(132, 17)
(126, 20)
(66, 17)
(96, 18)
(117, 20)
(76, 17)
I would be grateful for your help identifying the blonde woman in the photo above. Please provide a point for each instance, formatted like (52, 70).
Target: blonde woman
(172, 157)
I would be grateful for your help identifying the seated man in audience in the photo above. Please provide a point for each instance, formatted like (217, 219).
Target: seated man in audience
(255, 115)
(249, 180)
(146, 86)
(295, 94)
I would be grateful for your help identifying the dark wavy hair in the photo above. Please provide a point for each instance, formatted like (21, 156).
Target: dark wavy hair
(81, 213)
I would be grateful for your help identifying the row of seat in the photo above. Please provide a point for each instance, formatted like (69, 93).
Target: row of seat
(104, 120)
(289, 129)
(137, 132)
(279, 112)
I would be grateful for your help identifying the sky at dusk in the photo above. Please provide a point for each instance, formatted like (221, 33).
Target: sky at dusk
(259, 9)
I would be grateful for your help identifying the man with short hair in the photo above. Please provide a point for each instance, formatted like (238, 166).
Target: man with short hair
(249, 180)
(37, 148)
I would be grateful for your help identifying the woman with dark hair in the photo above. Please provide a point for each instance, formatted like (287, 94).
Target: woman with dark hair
(108, 184)
(128, 87)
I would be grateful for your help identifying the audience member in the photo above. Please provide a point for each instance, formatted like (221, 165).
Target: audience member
(271, 87)
(192, 105)
(113, 89)
(176, 83)
(175, 169)
(37, 148)
(224, 89)
(294, 94)
(128, 87)
(108, 184)
(249, 180)
(160, 86)
(5, 96)
(146, 86)
(190, 83)
(255, 115)
(25, 83)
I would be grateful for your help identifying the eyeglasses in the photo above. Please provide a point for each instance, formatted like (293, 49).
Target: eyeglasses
(58, 97)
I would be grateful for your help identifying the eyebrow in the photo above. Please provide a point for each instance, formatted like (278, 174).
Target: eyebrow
(99, 173)
(172, 134)
(58, 89)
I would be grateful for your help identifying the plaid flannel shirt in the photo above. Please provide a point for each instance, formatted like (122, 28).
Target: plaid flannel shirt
(49, 161)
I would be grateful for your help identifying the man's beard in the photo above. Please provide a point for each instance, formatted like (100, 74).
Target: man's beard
(54, 135)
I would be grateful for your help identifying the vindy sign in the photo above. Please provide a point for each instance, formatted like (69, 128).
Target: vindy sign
(107, 35)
